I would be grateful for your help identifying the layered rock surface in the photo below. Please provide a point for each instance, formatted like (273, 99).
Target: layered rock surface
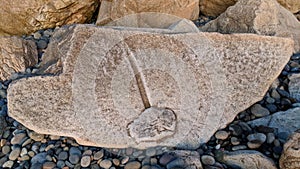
(113, 10)
(118, 88)
(24, 17)
(16, 55)
(263, 17)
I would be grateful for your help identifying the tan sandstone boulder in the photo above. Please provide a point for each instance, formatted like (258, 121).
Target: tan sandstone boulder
(120, 88)
(20, 17)
(290, 158)
(16, 55)
(263, 17)
(217, 7)
(111, 10)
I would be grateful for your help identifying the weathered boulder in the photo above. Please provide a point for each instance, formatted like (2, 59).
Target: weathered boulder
(217, 7)
(263, 17)
(118, 88)
(290, 158)
(113, 10)
(150, 20)
(247, 159)
(16, 55)
(284, 121)
(24, 17)
(294, 86)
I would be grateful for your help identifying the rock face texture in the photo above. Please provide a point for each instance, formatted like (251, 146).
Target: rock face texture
(263, 17)
(16, 55)
(149, 20)
(290, 158)
(248, 159)
(113, 10)
(217, 7)
(285, 121)
(118, 88)
(294, 88)
(24, 17)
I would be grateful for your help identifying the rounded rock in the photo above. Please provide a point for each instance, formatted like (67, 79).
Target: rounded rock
(85, 161)
(258, 111)
(221, 135)
(257, 138)
(106, 164)
(63, 155)
(5, 149)
(208, 160)
(49, 165)
(74, 158)
(14, 154)
(133, 165)
(8, 164)
(98, 155)
(18, 138)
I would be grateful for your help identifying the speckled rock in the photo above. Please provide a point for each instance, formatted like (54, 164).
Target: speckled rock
(113, 10)
(24, 17)
(290, 158)
(95, 91)
(16, 55)
(264, 17)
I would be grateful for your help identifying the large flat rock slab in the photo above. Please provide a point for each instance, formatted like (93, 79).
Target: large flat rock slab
(16, 54)
(118, 88)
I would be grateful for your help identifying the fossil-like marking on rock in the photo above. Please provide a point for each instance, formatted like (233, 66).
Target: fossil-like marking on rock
(153, 124)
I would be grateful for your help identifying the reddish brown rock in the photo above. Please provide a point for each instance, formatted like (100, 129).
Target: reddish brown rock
(113, 10)
(20, 17)
(181, 86)
(16, 55)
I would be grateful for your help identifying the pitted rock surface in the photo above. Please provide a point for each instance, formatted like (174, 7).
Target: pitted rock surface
(16, 55)
(24, 17)
(104, 81)
(263, 17)
(290, 158)
(113, 10)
